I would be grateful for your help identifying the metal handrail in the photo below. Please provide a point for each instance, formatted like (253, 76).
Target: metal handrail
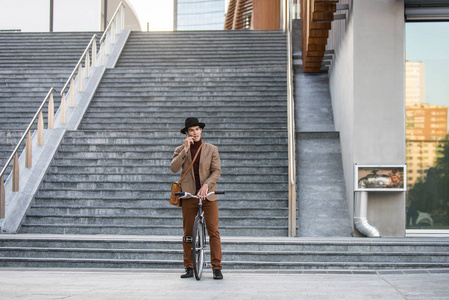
(111, 21)
(92, 40)
(51, 115)
(290, 126)
(26, 131)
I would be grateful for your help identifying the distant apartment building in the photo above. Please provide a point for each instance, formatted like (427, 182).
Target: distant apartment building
(415, 83)
(426, 122)
(426, 131)
(420, 156)
(199, 14)
(426, 125)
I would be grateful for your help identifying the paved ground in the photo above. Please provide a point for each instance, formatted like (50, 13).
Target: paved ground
(166, 284)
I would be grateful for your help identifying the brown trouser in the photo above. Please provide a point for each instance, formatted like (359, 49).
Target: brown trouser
(189, 212)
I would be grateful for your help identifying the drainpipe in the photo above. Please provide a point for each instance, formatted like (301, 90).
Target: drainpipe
(360, 216)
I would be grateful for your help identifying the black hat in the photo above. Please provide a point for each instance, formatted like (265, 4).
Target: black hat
(192, 122)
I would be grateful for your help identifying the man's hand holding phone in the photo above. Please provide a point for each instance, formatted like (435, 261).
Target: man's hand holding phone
(187, 142)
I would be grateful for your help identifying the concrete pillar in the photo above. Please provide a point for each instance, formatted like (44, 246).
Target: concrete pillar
(367, 83)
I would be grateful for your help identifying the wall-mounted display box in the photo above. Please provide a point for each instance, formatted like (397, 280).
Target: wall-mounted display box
(380, 178)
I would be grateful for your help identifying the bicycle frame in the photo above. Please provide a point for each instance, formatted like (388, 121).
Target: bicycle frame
(199, 234)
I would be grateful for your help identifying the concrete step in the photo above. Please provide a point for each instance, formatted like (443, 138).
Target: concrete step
(134, 186)
(236, 170)
(195, 86)
(163, 209)
(133, 162)
(176, 138)
(158, 177)
(122, 124)
(129, 135)
(198, 74)
(86, 251)
(175, 102)
(144, 220)
(229, 243)
(231, 158)
(136, 199)
(221, 82)
(159, 147)
(242, 256)
(148, 230)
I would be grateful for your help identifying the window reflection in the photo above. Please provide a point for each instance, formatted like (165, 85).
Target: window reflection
(427, 146)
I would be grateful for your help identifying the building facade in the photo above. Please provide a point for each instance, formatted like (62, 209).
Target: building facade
(426, 122)
(415, 83)
(199, 14)
(421, 156)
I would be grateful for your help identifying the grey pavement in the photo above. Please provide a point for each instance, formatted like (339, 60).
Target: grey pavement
(166, 284)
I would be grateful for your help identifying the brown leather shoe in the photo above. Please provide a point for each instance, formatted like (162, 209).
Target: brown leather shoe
(218, 274)
(188, 273)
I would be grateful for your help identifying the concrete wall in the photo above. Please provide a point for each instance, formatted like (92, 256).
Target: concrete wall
(367, 83)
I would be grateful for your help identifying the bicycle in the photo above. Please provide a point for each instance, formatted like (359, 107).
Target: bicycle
(199, 234)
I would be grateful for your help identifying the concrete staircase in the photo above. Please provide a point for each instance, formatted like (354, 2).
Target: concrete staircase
(30, 64)
(322, 204)
(112, 176)
(104, 201)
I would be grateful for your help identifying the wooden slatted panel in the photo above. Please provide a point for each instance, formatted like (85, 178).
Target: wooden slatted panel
(316, 16)
(230, 15)
(239, 15)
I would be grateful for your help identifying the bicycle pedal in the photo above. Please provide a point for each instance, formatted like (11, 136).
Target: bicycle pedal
(187, 239)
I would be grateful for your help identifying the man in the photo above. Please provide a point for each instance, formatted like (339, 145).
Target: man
(200, 180)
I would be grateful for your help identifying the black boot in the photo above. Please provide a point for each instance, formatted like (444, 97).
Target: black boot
(188, 273)
(218, 274)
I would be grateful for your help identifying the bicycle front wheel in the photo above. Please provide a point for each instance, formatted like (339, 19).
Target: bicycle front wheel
(198, 245)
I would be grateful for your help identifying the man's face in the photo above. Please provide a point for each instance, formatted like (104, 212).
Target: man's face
(195, 132)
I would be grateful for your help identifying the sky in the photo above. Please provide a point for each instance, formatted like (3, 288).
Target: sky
(33, 15)
(157, 13)
(429, 43)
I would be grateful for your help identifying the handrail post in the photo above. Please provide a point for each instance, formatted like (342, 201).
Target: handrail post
(101, 62)
(117, 22)
(14, 157)
(40, 130)
(107, 43)
(28, 151)
(15, 174)
(51, 112)
(113, 29)
(2, 198)
(80, 79)
(94, 53)
(72, 93)
(122, 18)
(63, 107)
(87, 65)
(291, 130)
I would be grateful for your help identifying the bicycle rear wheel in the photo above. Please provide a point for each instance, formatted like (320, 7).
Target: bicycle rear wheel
(198, 245)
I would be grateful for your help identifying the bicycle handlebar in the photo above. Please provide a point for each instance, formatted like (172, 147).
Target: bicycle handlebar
(185, 194)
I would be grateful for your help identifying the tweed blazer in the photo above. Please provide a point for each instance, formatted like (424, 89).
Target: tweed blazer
(209, 169)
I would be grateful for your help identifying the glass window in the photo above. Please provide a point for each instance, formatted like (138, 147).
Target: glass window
(200, 14)
(427, 102)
